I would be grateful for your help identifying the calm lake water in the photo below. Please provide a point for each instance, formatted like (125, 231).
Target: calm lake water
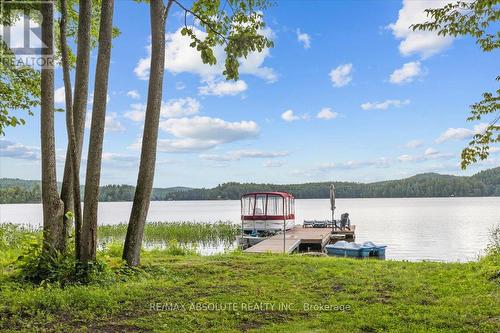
(439, 229)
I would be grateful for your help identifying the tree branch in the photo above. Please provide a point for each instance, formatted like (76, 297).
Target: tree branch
(186, 10)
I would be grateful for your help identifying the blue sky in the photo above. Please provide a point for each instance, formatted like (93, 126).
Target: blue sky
(347, 93)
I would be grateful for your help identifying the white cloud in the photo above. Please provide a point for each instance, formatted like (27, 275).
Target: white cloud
(141, 70)
(382, 162)
(290, 116)
(413, 144)
(327, 114)
(112, 123)
(385, 104)
(119, 160)
(494, 150)
(206, 128)
(406, 158)
(407, 73)
(134, 94)
(136, 112)
(59, 96)
(180, 58)
(304, 38)
(222, 87)
(184, 145)
(461, 133)
(18, 151)
(240, 154)
(201, 133)
(429, 154)
(341, 75)
(454, 134)
(273, 164)
(180, 107)
(424, 43)
(173, 108)
(90, 100)
(180, 85)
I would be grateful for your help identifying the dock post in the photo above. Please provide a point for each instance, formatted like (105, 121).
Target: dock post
(285, 213)
(242, 233)
(284, 234)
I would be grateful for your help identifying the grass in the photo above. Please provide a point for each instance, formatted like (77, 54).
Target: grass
(182, 292)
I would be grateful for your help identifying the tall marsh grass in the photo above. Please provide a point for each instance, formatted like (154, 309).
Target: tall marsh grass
(182, 232)
(14, 236)
(185, 237)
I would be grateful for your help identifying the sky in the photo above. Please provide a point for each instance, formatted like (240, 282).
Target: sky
(347, 93)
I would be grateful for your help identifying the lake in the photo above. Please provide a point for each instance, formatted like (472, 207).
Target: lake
(438, 229)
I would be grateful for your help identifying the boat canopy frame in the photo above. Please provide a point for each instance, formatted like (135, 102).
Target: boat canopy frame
(282, 209)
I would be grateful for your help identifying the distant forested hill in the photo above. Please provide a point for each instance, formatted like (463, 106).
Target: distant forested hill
(484, 183)
(13, 190)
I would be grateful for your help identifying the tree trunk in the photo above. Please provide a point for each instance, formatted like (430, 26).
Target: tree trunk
(67, 183)
(79, 109)
(133, 240)
(89, 226)
(53, 209)
(71, 156)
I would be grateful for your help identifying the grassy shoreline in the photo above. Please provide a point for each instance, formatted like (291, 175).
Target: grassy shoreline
(269, 293)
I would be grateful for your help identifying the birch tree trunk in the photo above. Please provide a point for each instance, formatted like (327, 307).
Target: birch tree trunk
(70, 124)
(133, 239)
(69, 188)
(53, 208)
(92, 180)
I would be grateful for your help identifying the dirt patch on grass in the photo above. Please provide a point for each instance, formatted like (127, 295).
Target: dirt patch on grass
(337, 287)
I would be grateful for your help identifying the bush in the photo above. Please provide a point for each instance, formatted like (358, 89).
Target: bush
(113, 249)
(52, 267)
(43, 268)
(494, 244)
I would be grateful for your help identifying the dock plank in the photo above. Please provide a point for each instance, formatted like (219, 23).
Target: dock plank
(274, 245)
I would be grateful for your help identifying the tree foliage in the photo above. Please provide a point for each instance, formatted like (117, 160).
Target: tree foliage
(476, 19)
(72, 28)
(19, 90)
(19, 83)
(236, 24)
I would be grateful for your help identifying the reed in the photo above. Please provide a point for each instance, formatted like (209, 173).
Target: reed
(14, 236)
(183, 232)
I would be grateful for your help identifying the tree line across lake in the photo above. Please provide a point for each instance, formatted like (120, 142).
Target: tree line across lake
(484, 183)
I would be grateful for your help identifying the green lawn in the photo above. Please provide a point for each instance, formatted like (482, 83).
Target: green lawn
(299, 294)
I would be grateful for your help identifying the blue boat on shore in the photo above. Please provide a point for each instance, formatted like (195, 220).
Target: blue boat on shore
(355, 250)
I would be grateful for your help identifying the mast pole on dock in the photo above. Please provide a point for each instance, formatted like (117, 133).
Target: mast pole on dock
(332, 204)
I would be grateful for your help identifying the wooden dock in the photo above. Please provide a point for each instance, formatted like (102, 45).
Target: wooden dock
(298, 237)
